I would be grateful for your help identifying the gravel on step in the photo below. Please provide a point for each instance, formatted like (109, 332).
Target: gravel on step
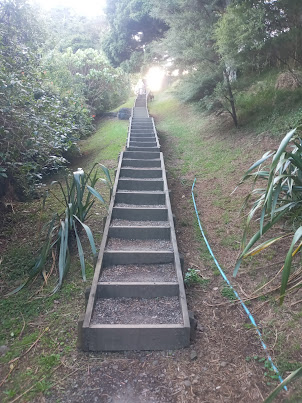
(140, 205)
(139, 191)
(142, 169)
(126, 223)
(137, 244)
(139, 159)
(141, 179)
(162, 310)
(139, 273)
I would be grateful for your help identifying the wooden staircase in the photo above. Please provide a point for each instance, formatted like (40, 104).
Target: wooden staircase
(137, 299)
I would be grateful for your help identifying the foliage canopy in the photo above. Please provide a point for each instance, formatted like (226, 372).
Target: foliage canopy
(132, 28)
(48, 98)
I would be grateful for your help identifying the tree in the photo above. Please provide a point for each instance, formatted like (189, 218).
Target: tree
(131, 29)
(67, 29)
(48, 98)
(37, 125)
(241, 34)
(255, 34)
(88, 75)
(190, 44)
(189, 38)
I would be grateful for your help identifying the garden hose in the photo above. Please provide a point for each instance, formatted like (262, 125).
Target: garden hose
(235, 292)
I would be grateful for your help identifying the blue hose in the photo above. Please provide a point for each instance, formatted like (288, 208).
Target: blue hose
(235, 292)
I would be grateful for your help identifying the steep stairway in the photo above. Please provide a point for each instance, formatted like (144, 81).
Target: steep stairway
(137, 299)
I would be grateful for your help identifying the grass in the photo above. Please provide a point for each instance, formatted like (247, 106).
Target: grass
(17, 261)
(228, 293)
(192, 277)
(41, 331)
(105, 144)
(231, 241)
(199, 155)
(128, 104)
(51, 321)
(264, 108)
(24, 318)
(206, 157)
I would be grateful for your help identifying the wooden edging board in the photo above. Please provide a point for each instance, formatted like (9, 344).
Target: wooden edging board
(92, 296)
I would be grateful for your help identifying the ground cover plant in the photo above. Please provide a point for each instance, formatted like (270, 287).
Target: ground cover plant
(264, 107)
(286, 381)
(192, 277)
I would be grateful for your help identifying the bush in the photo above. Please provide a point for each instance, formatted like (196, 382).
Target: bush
(198, 85)
(266, 108)
(279, 196)
(47, 103)
(88, 75)
(65, 227)
(37, 125)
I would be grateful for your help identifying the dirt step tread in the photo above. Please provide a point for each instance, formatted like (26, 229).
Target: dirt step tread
(140, 169)
(139, 272)
(143, 206)
(138, 245)
(159, 310)
(141, 191)
(129, 178)
(138, 224)
(139, 206)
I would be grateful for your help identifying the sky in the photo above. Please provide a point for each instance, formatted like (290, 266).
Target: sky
(89, 8)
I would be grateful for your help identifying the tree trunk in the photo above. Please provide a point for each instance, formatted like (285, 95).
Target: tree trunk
(231, 98)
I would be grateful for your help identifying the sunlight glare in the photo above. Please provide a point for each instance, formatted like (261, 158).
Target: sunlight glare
(155, 78)
(88, 8)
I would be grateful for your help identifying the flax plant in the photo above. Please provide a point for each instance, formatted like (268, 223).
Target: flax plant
(291, 377)
(78, 195)
(279, 196)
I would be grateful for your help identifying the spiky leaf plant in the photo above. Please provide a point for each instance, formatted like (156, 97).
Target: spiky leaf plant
(279, 196)
(278, 389)
(78, 197)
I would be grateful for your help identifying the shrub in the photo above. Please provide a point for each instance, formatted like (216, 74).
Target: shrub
(88, 75)
(198, 85)
(37, 125)
(279, 197)
(64, 228)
